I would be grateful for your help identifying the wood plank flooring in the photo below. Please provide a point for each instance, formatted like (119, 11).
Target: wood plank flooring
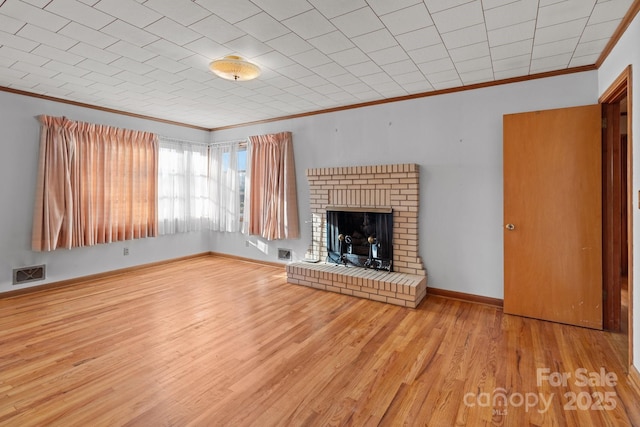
(213, 341)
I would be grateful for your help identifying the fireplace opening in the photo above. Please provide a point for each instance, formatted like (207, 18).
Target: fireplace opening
(360, 238)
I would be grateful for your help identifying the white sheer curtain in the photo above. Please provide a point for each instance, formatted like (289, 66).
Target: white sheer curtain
(225, 185)
(182, 186)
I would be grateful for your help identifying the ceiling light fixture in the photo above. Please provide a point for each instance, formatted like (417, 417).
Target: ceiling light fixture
(234, 68)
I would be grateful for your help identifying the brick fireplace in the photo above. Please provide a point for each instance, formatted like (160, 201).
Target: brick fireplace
(366, 187)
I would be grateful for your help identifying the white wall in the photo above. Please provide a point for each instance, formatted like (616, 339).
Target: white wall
(19, 138)
(457, 141)
(625, 53)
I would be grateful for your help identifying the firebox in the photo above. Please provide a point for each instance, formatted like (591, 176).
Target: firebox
(359, 237)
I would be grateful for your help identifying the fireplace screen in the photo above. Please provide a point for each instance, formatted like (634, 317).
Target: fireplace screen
(358, 238)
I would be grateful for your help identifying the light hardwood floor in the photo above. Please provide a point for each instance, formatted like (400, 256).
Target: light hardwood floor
(214, 341)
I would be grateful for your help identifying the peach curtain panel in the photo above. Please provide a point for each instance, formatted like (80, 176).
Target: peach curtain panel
(273, 204)
(96, 184)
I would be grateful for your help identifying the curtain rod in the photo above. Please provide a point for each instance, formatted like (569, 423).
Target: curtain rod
(185, 141)
(234, 141)
(181, 141)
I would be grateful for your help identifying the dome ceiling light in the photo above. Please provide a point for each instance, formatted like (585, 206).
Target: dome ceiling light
(234, 68)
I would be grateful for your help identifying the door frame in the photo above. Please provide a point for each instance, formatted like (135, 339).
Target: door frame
(611, 209)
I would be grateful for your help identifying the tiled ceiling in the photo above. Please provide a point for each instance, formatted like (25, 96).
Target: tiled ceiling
(151, 57)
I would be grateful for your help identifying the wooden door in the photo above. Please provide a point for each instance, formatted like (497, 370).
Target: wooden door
(553, 215)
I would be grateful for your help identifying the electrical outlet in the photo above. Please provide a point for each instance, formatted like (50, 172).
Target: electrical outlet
(125, 252)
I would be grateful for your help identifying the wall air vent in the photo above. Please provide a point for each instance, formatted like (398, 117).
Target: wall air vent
(28, 274)
(284, 254)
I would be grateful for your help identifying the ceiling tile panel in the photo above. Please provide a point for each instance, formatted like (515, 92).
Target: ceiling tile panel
(91, 65)
(309, 24)
(437, 66)
(358, 22)
(405, 20)
(578, 61)
(283, 9)
(440, 5)
(565, 11)
(400, 68)
(231, 11)
(263, 27)
(455, 18)
(510, 13)
(472, 51)
(345, 79)
(364, 69)
(406, 78)
(24, 12)
(313, 80)
(599, 31)
(57, 54)
(419, 38)
(273, 60)
(170, 30)
(510, 50)
(548, 63)
(590, 48)
(329, 70)
(465, 36)
(349, 57)
(166, 64)
(430, 53)
(9, 24)
(167, 49)
(88, 35)
(511, 73)
(132, 65)
(382, 7)
(128, 10)
(66, 69)
(373, 80)
(512, 33)
(207, 50)
(290, 44)
(473, 65)
(17, 42)
(186, 12)
(555, 48)
(33, 69)
(331, 42)
(445, 76)
(514, 62)
(295, 71)
(332, 8)
(311, 58)
(376, 40)
(491, 4)
(127, 32)
(248, 47)
(609, 11)
(566, 30)
(123, 48)
(388, 55)
(217, 29)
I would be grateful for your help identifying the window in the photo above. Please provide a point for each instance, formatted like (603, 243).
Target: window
(227, 171)
(182, 186)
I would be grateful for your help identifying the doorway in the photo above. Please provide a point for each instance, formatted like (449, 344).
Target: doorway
(617, 213)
